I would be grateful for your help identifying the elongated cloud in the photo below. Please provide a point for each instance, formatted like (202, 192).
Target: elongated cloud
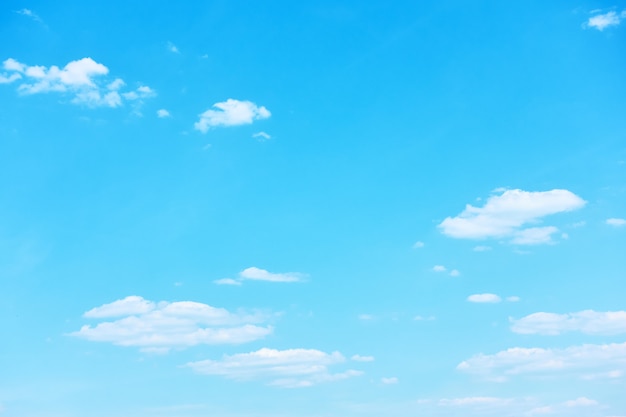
(603, 21)
(165, 325)
(507, 214)
(231, 113)
(292, 368)
(84, 80)
(588, 322)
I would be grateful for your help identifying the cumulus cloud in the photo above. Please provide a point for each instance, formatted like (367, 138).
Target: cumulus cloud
(164, 325)
(603, 21)
(439, 268)
(616, 222)
(162, 113)
(231, 113)
(484, 298)
(588, 322)
(292, 368)
(575, 360)
(505, 216)
(83, 80)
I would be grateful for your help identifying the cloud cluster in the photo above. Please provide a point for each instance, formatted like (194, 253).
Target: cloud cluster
(84, 80)
(588, 322)
(584, 361)
(231, 113)
(292, 368)
(158, 327)
(506, 216)
(257, 274)
(603, 21)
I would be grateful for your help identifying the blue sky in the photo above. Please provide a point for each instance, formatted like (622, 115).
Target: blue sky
(312, 209)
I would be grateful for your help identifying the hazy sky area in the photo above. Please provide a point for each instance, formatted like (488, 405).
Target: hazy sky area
(312, 209)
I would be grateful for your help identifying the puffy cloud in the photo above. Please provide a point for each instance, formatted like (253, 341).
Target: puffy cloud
(389, 381)
(162, 113)
(166, 325)
(574, 360)
(616, 222)
(231, 113)
(292, 368)
(359, 358)
(83, 79)
(588, 322)
(484, 298)
(258, 274)
(505, 215)
(603, 21)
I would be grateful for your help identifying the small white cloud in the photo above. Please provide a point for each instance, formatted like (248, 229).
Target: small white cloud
(227, 281)
(116, 84)
(292, 368)
(389, 381)
(482, 248)
(603, 21)
(587, 322)
(162, 113)
(366, 317)
(261, 136)
(258, 274)
(172, 48)
(165, 325)
(439, 268)
(422, 318)
(29, 13)
(580, 402)
(455, 273)
(505, 215)
(359, 358)
(418, 245)
(231, 113)
(616, 222)
(484, 298)
(513, 299)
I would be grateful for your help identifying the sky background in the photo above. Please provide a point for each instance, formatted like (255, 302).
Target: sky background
(312, 209)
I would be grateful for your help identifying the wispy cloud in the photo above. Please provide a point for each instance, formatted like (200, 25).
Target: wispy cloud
(615, 222)
(484, 298)
(389, 380)
(172, 48)
(29, 13)
(359, 358)
(587, 322)
(261, 136)
(231, 113)
(606, 20)
(505, 215)
(84, 80)
(292, 368)
(158, 327)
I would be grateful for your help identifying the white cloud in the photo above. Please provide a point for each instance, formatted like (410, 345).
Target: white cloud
(439, 268)
(616, 222)
(603, 21)
(172, 48)
(227, 281)
(482, 248)
(162, 113)
(389, 381)
(580, 402)
(418, 245)
(292, 368)
(484, 298)
(455, 273)
(261, 135)
(366, 317)
(231, 113)
(257, 274)
(165, 325)
(84, 80)
(588, 322)
(359, 358)
(29, 13)
(505, 215)
(513, 299)
(574, 360)
(422, 318)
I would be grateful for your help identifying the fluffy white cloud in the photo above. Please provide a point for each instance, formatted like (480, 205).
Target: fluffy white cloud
(84, 80)
(616, 222)
(484, 298)
(588, 322)
(165, 325)
(162, 113)
(389, 381)
(505, 215)
(575, 360)
(258, 274)
(292, 368)
(359, 358)
(439, 268)
(603, 21)
(231, 113)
